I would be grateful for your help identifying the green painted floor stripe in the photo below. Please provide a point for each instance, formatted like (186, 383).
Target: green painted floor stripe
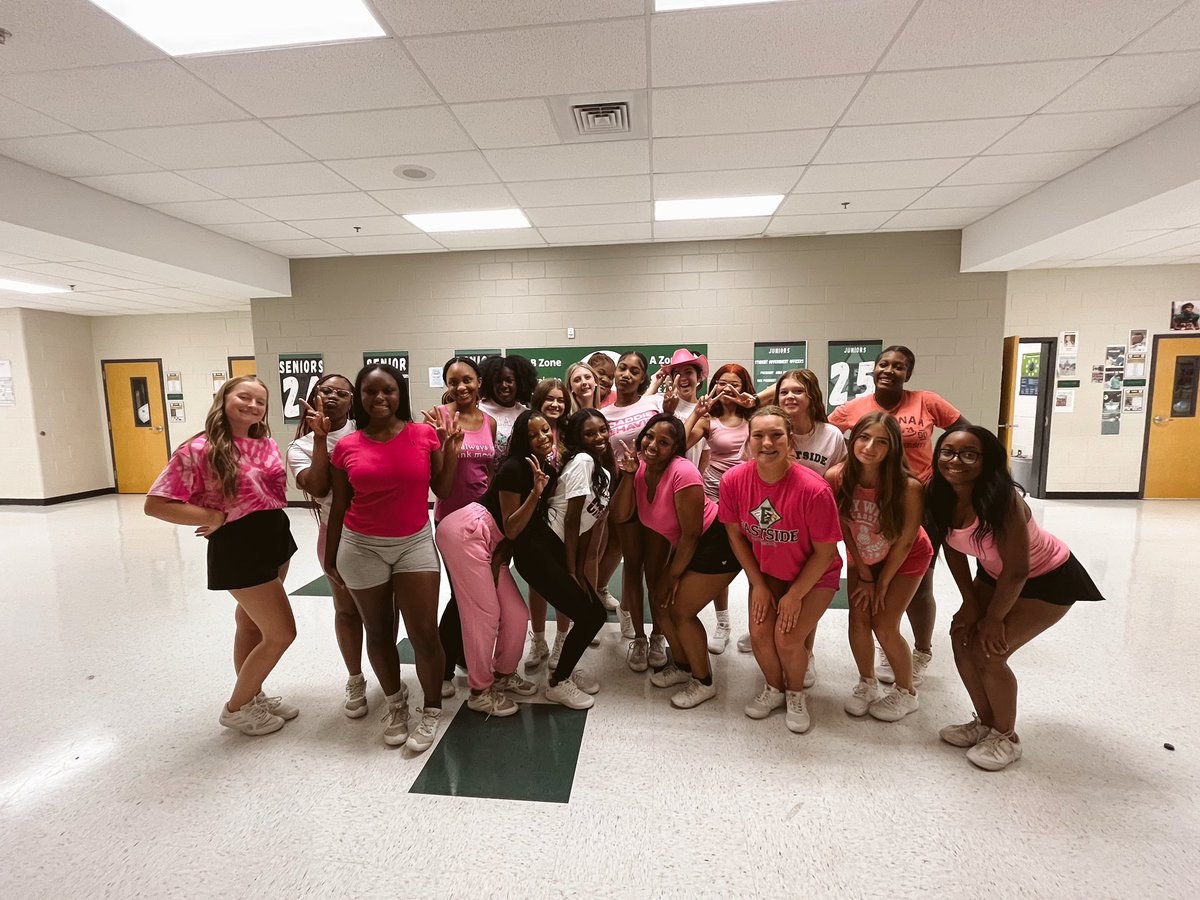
(318, 587)
(530, 756)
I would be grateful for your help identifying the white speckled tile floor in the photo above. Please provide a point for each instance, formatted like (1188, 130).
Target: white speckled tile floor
(115, 779)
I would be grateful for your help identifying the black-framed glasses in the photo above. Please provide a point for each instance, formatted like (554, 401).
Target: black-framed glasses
(334, 392)
(970, 457)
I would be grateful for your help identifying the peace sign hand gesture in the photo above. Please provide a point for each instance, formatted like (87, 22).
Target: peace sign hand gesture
(540, 478)
(318, 422)
(629, 462)
(670, 398)
(742, 398)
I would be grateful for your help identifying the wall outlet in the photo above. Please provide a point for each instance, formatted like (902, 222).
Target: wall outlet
(570, 334)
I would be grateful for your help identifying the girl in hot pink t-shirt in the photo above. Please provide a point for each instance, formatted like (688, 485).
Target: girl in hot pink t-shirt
(687, 553)
(783, 526)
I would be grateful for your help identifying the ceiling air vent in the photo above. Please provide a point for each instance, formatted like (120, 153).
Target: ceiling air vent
(584, 118)
(601, 118)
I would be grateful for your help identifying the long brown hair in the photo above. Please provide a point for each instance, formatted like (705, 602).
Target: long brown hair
(812, 387)
(222, 451)
(540, 393)
(894, 475)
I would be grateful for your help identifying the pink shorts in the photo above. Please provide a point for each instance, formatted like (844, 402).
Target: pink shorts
(919, 557)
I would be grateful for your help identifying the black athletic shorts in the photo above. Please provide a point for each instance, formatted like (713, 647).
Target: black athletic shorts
(249, 551)
(713, 554)
(1061, 586)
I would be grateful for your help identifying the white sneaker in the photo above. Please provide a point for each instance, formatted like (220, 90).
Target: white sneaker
(669, 676)
(610, 602)
(768, 700)
(657, 656)
(448, 690)
(966, 735)
(810, 674)
(423, 735)
(493, 703)
(639, 649)
(538, 651)
(720, 639)
(514, 684)
(253, 719)
(995, 752)
(864, 694)
(627, 631)
(585, 682)
(744, 645)
(395, 729)
(559, 640)
(921, 660)
(894, 705)
(356, 696)
(798, 720)
(567, 693)
(595, 642)
(694, 694)
(883, 668)
(278, 707)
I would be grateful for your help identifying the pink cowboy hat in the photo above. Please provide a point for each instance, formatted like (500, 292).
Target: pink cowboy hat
(685, 357)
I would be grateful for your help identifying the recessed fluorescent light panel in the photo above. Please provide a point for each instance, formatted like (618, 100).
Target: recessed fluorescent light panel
(25, 287)
(669, 5)
(183, 27)
(716, 208)
(475, 220)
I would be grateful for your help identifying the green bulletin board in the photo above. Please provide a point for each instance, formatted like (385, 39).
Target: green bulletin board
(850, 366)
(772, 360)
(552, 362)
(477, 356)
(395, 358)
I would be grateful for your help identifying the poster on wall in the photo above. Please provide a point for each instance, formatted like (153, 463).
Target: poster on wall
(1137, 340)
(1112, 401)
(1184, 316)
(8, 394)
(1110, 423)
(771, 360)
(478, 356)
(397, 359)
(218, 379)
(1031, 365)
(1114, 379)
(1068, 343)
(553, 362)
(1064, 401)
(1135, 370)
(1067, 366)
(850, 366)
(1114, 356)
(174, 386)
(177, 414)
(1135, 400)
(298, 373)
(1098, 374)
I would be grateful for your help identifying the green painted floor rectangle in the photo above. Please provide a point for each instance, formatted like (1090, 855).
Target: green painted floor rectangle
(318, 587)
(530, 756)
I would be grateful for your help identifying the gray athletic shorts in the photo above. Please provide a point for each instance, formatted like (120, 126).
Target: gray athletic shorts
(364, 561)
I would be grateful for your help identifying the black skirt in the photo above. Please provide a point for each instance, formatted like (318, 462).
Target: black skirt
(1061, 586)
(249, 551)
(713, 554)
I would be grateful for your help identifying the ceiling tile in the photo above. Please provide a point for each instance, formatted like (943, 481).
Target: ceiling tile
(730, 183)
(842, 221)
(1079, 131)
(507, 123)
(1128, 82)
(379, 173)
(582, 191)
(17, 121)
(562, 59)
(711, 228)
(731, 151)
(860, 202)
(922, 140)
(280, 180)
(1179, 31)
(446, 199)
(368, 226)
(296, 81)
(306, 247)
(1158, 244)
(738, 108)
(208, 146)
(876, 176)
(978, 91)
(212, 212)
(571, 161)
(597, 214)
(973, 32)
(132, 95)
(73, 155)
(318, 206)
(65, 34)
(759, 43)
(260, 231)
(384, 132)
(992, 195)
(935, 218)
(388, 243)
(150, 187)
(597, 234)
(437, 16)
(80, 276)
(470, 240)
(1020, 167)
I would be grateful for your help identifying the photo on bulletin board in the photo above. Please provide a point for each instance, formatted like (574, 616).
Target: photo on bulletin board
(1114, 356)
(1064, 401)
(1137, 340)
(1114, 379)
(1068, 343)
(1110, 423)
(1112, 401)
(1135, 365)
(1135, 400)
(218, 379)
(177, 414)
(1098, 374)
(1184, 316)
(174, 383)
(1067, 366)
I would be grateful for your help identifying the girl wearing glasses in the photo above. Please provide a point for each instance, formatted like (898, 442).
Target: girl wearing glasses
(1025, 581)
(326, 421)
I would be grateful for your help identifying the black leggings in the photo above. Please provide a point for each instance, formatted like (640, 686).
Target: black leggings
(541, 559)
(450, 631)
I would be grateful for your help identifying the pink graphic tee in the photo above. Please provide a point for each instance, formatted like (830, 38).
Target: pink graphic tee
(782, 521)
(476, 459)
(261, 484)
(919, 413)
(625, 423)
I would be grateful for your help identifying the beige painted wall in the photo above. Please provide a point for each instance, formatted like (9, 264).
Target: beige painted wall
(1102, 304)
(20, 460)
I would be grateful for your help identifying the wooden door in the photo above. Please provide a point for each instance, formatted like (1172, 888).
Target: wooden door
(1008, 391)
(242, 365)
(1173, 432)
(137, 419)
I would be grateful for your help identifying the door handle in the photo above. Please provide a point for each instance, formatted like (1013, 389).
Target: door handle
(157, 429)
(1160, 420)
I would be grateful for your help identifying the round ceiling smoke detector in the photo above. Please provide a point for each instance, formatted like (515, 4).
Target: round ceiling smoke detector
(414, 173)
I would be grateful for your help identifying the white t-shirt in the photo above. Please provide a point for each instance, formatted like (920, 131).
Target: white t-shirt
(300, 455)
(506, 417)
(576, 481)
(818, 450)
(682, 411)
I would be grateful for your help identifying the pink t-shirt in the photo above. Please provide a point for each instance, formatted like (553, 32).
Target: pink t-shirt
(919, 413)
(782, 521)
(725, 445)
(659, 514)
(626, 422)
(476, 457)
(390, 480)
(261, 483)
(1046, 552)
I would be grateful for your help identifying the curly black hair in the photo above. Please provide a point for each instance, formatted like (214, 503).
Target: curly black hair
(523, 371)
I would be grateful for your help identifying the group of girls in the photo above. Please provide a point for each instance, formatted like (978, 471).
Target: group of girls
(567, 478)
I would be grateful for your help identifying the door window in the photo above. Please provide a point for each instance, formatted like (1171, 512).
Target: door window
(1183, 390)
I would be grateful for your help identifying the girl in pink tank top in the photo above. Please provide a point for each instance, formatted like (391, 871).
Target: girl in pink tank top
(1025, 582)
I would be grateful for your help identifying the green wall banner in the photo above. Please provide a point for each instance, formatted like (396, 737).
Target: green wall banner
(552, 362)
(396, 358)
(772, 360)
(850, 366)
(477, 356)
(298, 372)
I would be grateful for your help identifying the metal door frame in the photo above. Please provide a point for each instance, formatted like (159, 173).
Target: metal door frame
(108, 412)
(1170, 335)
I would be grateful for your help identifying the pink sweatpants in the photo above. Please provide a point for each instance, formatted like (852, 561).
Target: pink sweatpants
(494, 616)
